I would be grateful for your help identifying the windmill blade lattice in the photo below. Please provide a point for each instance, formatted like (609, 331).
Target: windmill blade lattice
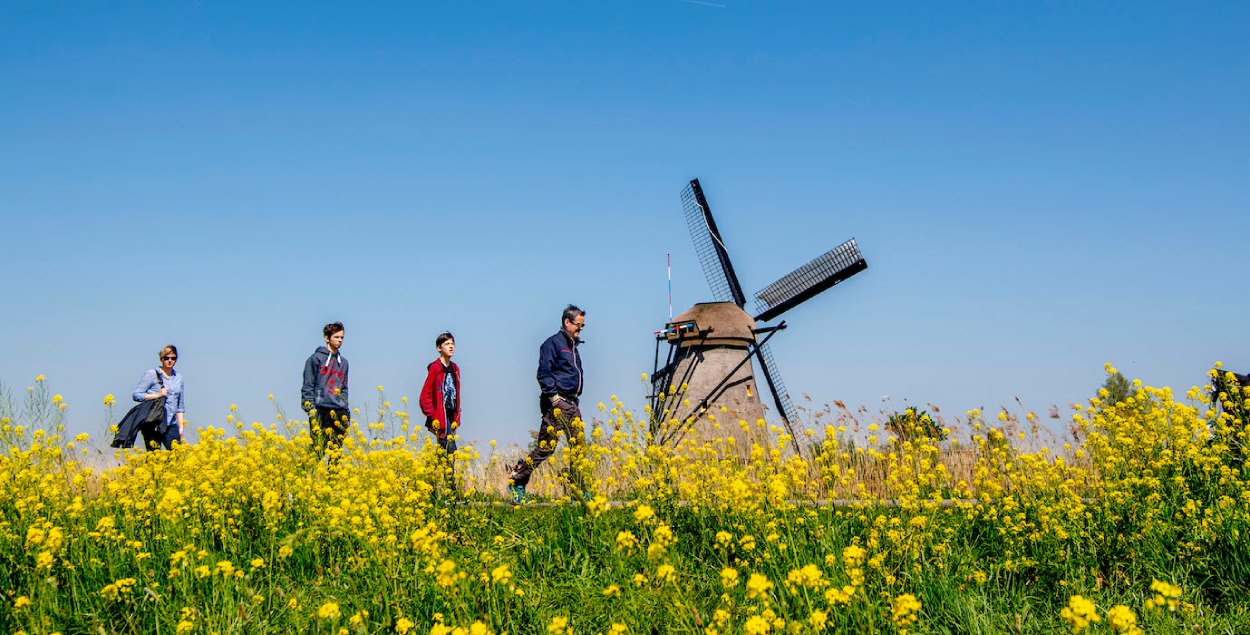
(708, 245)
(810, 280)
(781, 396)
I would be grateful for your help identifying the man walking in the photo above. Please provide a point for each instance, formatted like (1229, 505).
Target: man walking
(560, 382)
(324, 394)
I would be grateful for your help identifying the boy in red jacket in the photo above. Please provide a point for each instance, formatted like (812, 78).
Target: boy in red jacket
(440, 396)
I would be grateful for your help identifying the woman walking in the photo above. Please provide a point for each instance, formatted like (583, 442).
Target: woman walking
(163, 382)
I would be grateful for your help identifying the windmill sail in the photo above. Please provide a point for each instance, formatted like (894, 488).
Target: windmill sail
(810, 280)
(781, 396)
(711, 249)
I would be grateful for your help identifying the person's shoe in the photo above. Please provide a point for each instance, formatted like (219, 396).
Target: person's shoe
(518, 494)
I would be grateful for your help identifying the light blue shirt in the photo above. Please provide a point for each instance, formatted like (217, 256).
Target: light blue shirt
(174, 404)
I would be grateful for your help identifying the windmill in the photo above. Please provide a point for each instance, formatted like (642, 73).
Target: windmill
(712, 343)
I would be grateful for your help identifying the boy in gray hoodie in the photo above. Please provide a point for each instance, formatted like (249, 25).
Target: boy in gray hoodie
(324, 394)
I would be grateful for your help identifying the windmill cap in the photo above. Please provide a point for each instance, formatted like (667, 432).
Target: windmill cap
(729, 323)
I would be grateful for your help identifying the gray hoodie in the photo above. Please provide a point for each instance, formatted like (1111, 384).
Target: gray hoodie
(325, 381)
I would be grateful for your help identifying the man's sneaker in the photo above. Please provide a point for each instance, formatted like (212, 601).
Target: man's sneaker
(518, 494)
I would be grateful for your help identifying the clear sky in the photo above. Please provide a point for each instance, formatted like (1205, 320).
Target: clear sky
(1038, 188)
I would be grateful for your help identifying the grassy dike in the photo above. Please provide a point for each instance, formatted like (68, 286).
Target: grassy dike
(1138, 523)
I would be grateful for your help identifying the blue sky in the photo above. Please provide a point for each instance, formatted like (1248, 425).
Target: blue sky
(1038, 188)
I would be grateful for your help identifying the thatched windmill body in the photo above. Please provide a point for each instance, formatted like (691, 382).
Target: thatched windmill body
(712, 344)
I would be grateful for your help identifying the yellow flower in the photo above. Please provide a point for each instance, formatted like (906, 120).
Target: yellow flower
(559, 626)
(597, 505)
(729, 577)
(403, 625)
(1123, 620)
(756, 625)
(1166, 594)
(818, 619)
(664, 573)
(906, 612)
(109, 400)
(1080, 613)
(501, 574)
(447, 573)
(329, 611)
(758, 586)
(258, 563)
(853, 556)
(21, 602)
(113, 592)
(34, 536)
(626, 540)
(612, 591)
(185, 626)
(644, 513)
(663, 535)
(809, 576)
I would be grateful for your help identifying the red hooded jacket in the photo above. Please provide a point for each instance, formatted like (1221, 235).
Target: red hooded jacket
(432, 397)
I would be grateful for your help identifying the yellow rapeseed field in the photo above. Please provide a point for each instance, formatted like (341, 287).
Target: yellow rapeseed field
(1134, 520)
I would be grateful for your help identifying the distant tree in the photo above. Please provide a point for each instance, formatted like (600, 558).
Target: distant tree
(910, 425)
(1230, 393)
(1117, 387)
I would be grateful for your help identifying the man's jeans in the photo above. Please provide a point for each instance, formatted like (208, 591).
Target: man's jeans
(328, 427)
(447, 459)
(548, 436)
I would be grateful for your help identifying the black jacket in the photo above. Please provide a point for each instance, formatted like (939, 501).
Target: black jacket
(560, 367)
(137, 419)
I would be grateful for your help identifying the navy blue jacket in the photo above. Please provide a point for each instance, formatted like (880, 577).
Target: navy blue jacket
(560, 367)
(325, 381)
(144, 415)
